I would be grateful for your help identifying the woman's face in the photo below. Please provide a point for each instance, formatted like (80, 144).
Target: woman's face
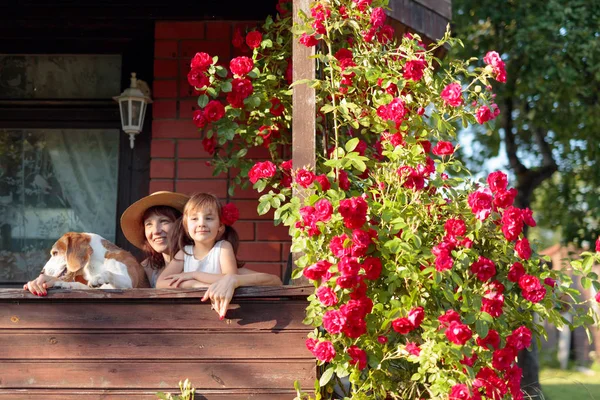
(156, 229)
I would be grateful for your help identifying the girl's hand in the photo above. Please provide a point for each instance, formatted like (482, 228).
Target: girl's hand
(221, 292)
(39, 285)
(177, 279)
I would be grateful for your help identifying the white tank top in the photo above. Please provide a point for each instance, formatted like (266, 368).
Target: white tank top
(210, 264)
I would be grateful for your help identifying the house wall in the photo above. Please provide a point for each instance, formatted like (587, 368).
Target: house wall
(178, 160)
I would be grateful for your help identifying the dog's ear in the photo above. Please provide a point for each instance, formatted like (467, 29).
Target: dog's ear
(79, 250)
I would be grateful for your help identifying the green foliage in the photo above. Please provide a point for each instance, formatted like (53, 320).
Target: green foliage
(552, 56)
(374, 224)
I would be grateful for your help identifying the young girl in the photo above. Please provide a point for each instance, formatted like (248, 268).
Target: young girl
(204, 247)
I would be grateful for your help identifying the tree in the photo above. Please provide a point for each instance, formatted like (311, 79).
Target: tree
(548, 128)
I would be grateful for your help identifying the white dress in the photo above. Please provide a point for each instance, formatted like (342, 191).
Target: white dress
(211, 263)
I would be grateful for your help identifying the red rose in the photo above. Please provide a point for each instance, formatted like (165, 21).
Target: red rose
(528, 217)
(343, 182)
(305, 178)
(497, 181)
(492, 304)
(214, 111)
(333, 321)
(323, 210)
(308, 40)
(337, 246)
(520, 338)
(455, 227)
(349, 266)
(483, 268)
(522, 248)
(343, 53)
(413, 349)
(598, 245)
(277, 107)
(550, 282)
(469, 361)
(505, 199)
(197, 78)
(385, 34)
(238, 39)
(597, 297)
(316, 270)
(260, 170)
(449, 317)
(358, 357)
(324, 351)
(229, 214)
(323, 182)
(402, 325)
(483, 114)
(503, 358)
(458, 333)
(209, 144)
(354, 212)
(372, 267)
(443, 149)
(411, 178)
(310, 344)
(480, 202)
(460, 392)
(201, 61)
(382, 339)
(516, 272)
(253, 39)
(493, 58)
(241, 65)
(327, 296)
(452, 95)
(529, 282)
(198, 118)
(416, 316)
(413, 69)
(377, 17)
(492, 339)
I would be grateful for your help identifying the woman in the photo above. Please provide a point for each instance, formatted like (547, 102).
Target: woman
(146, 224)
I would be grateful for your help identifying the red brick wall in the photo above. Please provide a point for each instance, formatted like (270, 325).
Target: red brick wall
(178, 158)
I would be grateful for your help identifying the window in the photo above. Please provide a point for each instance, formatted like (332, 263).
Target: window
(56, 175)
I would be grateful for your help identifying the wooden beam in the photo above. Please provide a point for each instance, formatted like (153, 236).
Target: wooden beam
(303, 99)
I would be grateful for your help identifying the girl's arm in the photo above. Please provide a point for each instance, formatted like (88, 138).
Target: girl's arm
(40, 285)
(248, 277)
(174, 267)
(228, 261)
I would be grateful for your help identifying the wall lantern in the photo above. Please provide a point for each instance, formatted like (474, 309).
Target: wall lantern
(132, 105)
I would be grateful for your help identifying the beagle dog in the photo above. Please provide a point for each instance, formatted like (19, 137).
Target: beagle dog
(87, 260)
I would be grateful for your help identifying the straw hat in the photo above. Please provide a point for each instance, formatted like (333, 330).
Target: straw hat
(131, 220)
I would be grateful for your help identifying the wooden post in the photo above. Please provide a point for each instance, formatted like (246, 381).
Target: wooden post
(303, 110)
(303, 100)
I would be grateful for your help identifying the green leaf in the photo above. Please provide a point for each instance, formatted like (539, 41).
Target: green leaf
(202, 100)
(482, 328)
(226, 87)
(326, 377)
(221, 71)
(263, 207)
(351, 144)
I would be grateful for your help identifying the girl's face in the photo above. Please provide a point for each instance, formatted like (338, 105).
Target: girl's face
(156, 229)
(204, 226)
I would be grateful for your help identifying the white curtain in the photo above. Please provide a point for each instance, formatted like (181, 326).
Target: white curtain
(85, 164)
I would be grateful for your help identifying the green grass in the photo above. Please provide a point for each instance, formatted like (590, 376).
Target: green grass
(570, 384)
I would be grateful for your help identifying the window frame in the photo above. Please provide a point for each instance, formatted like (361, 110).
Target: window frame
(137, 54)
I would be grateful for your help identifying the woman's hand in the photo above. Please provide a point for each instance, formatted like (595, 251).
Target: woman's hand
(177, 279)
(39, 285)
(221, 292)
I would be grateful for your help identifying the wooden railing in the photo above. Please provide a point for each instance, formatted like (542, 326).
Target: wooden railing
(112, 344)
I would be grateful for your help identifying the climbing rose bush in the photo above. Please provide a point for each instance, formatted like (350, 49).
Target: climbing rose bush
(425, 286)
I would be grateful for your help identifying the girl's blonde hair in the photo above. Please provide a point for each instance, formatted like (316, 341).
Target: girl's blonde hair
(200, 201)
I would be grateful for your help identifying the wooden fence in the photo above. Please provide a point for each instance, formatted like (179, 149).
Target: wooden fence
(131, 344)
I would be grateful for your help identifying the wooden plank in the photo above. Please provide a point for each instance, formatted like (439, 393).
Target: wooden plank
(144, 345)
(37, 394)
(299, 292)
(251, 315)
(441, 7)
(155, 375)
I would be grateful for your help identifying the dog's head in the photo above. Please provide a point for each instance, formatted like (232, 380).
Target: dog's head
(69, 254)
